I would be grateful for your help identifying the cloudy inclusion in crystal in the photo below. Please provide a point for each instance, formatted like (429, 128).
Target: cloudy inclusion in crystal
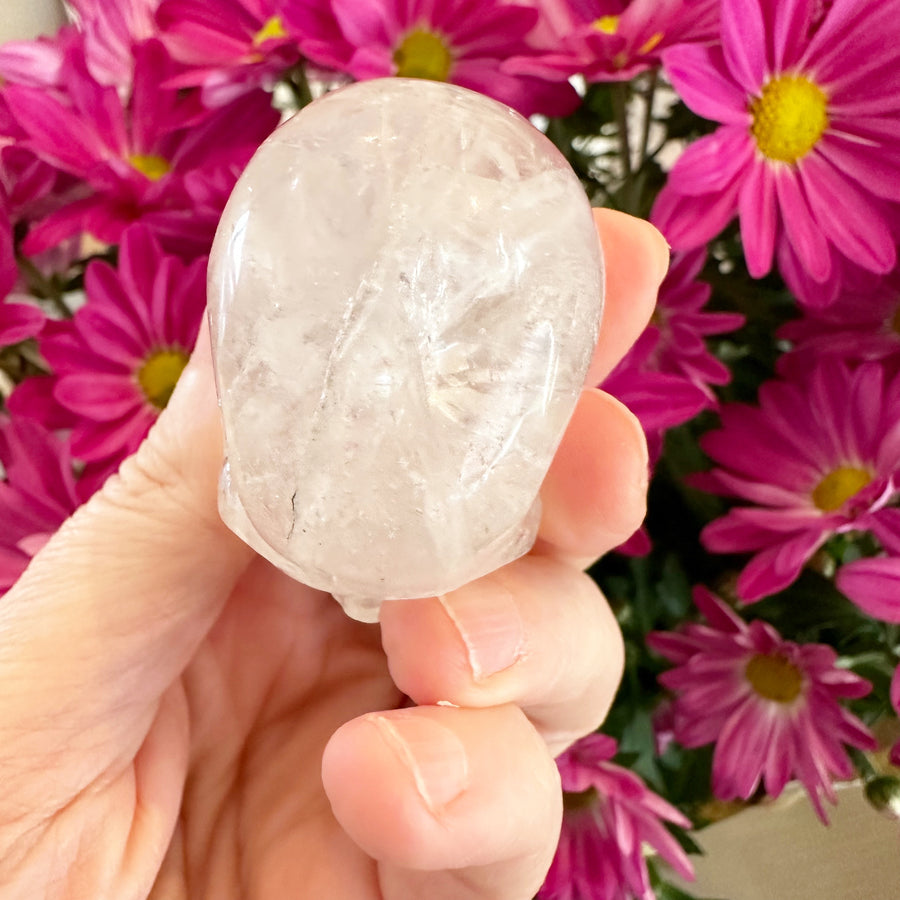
(789, 117)
(405, 291)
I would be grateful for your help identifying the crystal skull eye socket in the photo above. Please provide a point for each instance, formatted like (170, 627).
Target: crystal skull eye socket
(405, 290)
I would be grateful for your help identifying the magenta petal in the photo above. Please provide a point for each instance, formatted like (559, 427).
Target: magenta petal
(775, 568)
(368, 22)
(33, 399)
(837, 204)
(777, 766)
(759, 218)
(737, 766)
(802, 231)
(700, 76)
(688, 222)
(57, 133)
(743, 42)
(99, 397)
(524, 93)
(885, 525)
(872, 168)
(873, 585)
(32, 63)
(719, 615)
(110, 442)
(850, 33)
(56, 227)
(12, 564)
(713, 163)
(483, 31)
(19, 321)
(793, 19)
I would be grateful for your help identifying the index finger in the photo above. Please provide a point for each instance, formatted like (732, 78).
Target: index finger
(636, 256)
(594, 495)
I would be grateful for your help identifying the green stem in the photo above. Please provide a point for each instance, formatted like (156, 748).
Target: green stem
(862, 764)
(620, 105)
(648, 114)
(43, 288)
(300, 86)
(30, 354)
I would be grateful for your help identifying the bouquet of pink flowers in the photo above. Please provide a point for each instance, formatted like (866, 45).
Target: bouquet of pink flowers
(760, 602)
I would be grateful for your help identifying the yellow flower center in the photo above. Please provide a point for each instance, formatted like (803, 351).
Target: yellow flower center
(274, 28)
(423, 54)
(838, 486)
(607, 24)
(774, 678)
(789, 117)
(159, 375)
(154, 167)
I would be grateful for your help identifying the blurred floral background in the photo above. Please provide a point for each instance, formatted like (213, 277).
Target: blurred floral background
(760, 602)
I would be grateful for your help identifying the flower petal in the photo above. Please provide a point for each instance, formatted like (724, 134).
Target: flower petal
(777, 567)
(743, 43)
(873, 585)
(851, 220)
(701, 77)
(759, 219)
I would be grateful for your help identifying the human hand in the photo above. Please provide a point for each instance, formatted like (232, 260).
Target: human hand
(178, 719)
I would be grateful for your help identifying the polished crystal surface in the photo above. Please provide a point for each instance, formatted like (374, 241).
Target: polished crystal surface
(405, 291)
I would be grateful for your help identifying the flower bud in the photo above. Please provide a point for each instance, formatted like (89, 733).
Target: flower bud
(883, 793)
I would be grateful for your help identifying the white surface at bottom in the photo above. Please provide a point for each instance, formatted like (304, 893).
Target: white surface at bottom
(781, 851)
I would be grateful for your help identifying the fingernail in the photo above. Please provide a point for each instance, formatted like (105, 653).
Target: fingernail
(433, 753)
(487, 617)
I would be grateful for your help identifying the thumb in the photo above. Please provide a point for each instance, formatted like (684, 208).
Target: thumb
(111, 610)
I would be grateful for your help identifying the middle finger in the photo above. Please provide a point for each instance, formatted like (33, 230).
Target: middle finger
(537, 633)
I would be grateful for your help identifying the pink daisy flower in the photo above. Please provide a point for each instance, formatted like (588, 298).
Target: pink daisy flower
(614, 40)
(683, 324)
(229, 46)
(819, 456)
(38, 492)
(807, 154)
(862, 324)
(147, 159)
(772, 707)
(610, 814)
(116, 362)
(461, 41)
